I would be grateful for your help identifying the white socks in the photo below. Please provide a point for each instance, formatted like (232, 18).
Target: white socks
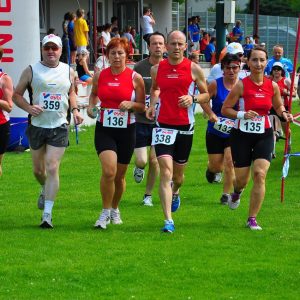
(48, 206)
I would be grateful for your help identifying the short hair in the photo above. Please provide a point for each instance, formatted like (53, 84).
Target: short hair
(1, 52)
(106, 26)
(229, 58)
(277, 46)
(257, 48)
(155, 33)
(146, 9)
(113, 19)
(79, 12)
(171, 32)
(116, 42)
(193, 55)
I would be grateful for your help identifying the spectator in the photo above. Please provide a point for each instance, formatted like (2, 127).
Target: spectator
(237, 33)
(72, 45)
(114, 23)
(194, 33)
(81, 31)
(136, 37)
(105, 36)
(256, 39)
(247, 46)
(204, 42)
(82, 67)
(115, 32)
(65, 56)
(210, 50)
(130, 38)
(278, 57)
(147, 22)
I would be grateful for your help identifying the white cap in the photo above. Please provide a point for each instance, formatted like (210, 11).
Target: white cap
(84, 52)
(234, 48)
(52, 38)
(278, 64)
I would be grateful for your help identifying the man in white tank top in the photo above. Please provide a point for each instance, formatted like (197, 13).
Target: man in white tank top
(50, 84)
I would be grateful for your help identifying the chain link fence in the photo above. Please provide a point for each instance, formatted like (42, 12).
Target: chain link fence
(272, 29)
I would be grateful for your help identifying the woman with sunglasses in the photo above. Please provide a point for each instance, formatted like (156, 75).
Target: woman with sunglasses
(121, 92)
(218, 127)
(284, 84)
(251, 139)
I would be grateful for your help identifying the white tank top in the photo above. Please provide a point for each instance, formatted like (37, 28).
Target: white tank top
(50, 88)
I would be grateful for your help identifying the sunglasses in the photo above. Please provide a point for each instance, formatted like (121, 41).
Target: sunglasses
(276, 69)
(234, 68)
(54, 48)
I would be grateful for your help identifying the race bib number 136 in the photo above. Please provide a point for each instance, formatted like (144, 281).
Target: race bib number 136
(115, 118)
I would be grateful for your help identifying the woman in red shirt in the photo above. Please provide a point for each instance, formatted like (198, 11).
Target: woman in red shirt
(120, 92)
(252, 137)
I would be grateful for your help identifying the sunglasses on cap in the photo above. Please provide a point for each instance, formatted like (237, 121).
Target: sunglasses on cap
(53, 47)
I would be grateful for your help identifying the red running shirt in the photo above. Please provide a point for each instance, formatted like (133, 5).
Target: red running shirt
(113, 89)
(282, 86)
(174, 81)
(4, 116)
(258, 98)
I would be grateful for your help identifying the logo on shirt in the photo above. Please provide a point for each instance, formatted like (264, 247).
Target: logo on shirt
(49, 96)
(113, 84)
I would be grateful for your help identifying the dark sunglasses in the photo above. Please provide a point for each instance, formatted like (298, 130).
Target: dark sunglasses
(54, 48)
(276, 69)
(234, 68)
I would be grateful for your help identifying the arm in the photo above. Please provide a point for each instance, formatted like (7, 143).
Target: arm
(212, 90)
(93, 100)
(20, 89)
(203, 96)
(85, 67)
(78, 119)
(154, 94)
(230, 102)
(139, 104)
(6, 102)
(288, 83)
(278, 106)
(152, 21)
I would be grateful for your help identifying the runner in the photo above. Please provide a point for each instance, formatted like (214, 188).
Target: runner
(144, 126)
(218, 129)
(6, 103)
(120, 91)
(50, 85)
(172, 82)
(252, 138)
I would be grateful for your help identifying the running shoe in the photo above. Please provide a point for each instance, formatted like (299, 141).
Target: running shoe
(103, 220)
(41, 200)
(169, 227)
(218, 177)
(46, 221)
(224, 199)
(115, 217)
(234, 200)
(175, 202)
(138, 174)
(147, 201)
(252, 224)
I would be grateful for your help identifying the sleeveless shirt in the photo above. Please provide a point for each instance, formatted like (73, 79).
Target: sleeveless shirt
(4, 115)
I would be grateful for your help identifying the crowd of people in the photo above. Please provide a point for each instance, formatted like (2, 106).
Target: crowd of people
(148, 112)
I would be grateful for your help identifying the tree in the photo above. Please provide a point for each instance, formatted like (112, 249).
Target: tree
(275, 7)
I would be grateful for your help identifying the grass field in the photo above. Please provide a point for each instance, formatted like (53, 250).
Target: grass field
(211, 255)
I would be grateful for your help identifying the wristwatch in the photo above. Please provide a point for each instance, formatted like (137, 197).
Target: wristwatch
(75, 108)
(195, 100)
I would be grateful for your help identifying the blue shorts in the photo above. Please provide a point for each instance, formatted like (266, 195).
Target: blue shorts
(143, 135)
(85, 77)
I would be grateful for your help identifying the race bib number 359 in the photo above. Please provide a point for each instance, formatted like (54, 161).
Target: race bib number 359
(255, 125)
(50, 101)
(115, 118)
(163, 136)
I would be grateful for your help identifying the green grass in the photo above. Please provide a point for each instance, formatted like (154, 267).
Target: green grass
(210, 256)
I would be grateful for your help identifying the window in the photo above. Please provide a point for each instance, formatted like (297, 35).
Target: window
(43, 23)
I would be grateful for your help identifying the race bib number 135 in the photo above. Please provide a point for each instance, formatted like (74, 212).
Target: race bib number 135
(255, 125)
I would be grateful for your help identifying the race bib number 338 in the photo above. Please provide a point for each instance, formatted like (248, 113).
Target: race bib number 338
(50, 101)
(163, 136)
(255, 125)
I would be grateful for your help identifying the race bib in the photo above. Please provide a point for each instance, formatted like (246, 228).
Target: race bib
(163, 136)
(224, 125)
(115, 118)
(51, 102)
(147, 102)
(255, 125)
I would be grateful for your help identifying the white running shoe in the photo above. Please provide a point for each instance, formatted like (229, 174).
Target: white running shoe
(41, 199)
(218, 177)
(115, 217)
(46, 221)
(147, 201)
(138, 174)
(233, 205)
(103, 220)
